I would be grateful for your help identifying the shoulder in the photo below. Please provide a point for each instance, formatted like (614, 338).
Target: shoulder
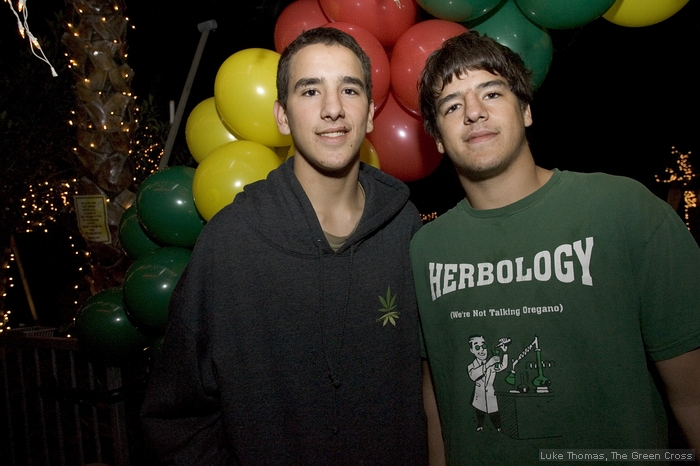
(605, 191)
(604, 183)
(441, 225)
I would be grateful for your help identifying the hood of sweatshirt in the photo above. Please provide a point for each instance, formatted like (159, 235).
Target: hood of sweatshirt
(293, 225)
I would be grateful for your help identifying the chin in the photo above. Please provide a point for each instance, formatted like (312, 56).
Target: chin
(477, 174)
(336, 171)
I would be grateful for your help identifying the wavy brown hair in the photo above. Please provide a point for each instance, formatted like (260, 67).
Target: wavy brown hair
(469, 51)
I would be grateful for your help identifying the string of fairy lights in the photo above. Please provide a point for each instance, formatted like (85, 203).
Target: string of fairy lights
(45, 202)
(681, 177)
(21, 14)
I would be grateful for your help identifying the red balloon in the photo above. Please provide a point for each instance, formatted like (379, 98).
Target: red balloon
(296, 18)
(381, 78)
(405, 150)
(384, 19)
(410, 53)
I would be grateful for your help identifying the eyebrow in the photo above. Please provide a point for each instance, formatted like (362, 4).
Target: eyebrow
(480, 86)
(303, 82)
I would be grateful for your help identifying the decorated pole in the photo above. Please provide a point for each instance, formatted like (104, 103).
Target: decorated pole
(105, 123)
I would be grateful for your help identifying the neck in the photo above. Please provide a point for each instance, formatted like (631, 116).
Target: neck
(518, 181)
(337, 200)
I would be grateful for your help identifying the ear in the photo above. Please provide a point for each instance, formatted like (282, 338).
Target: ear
(370, 117)
(440, 147)
(281, 118)
(527, 116)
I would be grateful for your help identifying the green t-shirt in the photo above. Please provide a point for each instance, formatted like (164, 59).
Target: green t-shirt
(540, 318)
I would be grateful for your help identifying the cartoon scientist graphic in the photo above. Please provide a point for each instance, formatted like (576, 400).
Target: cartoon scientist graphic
(483, 372)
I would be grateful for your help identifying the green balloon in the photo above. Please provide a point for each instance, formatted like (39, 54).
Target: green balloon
(104, 331)
(458, 10)
(563, 14)
(149, 284)
(507, 26)
(133, 237)
(166, 208)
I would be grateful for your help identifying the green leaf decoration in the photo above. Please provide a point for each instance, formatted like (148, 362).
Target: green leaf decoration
(388, 306)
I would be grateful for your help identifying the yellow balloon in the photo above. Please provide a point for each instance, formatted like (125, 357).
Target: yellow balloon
(639, 13)
(245, 90)
(226, 170)
(368, 154)
(204, 130)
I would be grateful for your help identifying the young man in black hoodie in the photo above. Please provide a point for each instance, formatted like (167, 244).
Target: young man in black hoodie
(292, 336)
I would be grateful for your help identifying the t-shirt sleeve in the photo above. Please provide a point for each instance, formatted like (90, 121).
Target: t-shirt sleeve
(670, 290)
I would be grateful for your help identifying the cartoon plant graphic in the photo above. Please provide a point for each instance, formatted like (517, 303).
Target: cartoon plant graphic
(388, 309)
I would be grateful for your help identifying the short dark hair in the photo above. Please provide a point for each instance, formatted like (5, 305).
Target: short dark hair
(465, 52)
(325, 36)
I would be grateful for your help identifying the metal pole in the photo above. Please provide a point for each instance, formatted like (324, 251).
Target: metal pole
(204, 28)
(25, 282)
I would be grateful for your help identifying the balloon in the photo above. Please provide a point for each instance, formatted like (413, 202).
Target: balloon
(384, 19)
(204, 130)
(225, 172)
(368, 154)
(149, 284)
(508, 26)
(166, 207)
(297, 17)
(458, 10)
(639, 13)
(104, 331)
(558, 14)
(133, 237)
(404, 148)
(410, 54)
(245, 91)
(380, 62)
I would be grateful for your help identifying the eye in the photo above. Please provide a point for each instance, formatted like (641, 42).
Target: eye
(451, 108)
(310, 92)
(492, 95)
(351, 91)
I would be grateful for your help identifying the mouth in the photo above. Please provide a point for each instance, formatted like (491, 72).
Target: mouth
(334, 133)
(476, 137)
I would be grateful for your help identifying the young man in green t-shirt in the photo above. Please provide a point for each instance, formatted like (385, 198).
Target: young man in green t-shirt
(594, 281)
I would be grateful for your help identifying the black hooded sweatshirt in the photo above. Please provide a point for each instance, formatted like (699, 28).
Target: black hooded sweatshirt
(280, 351)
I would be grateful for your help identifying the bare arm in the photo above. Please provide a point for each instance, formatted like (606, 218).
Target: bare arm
(681, 375)
(436, 446)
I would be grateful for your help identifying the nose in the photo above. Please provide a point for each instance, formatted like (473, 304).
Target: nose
(332, 107)
(474, 109)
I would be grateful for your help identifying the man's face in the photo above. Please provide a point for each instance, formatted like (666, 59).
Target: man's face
(481, 124)
(328, 112)
(478, 348)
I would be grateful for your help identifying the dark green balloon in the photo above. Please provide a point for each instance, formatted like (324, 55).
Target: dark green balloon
(149, 284)
(508, 26)
(104, 331)
(133, 237)
(563, 14)
(166, 209)
(458, 10)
